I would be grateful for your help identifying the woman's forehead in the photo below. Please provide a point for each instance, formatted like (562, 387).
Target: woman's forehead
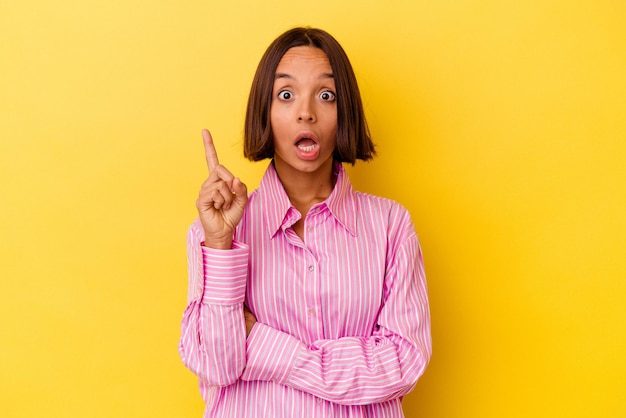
(303, 56)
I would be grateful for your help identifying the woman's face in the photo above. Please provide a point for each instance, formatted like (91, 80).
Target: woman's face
(303, 113)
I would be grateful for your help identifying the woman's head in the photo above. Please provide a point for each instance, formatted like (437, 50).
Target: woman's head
(353, 139)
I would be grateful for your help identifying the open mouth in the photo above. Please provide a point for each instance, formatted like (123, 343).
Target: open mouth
(306, 145)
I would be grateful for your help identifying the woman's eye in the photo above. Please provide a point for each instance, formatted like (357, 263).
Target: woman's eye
(327, 96)
(285, 95)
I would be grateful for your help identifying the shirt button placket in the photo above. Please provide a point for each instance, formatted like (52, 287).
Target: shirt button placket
(311, 307)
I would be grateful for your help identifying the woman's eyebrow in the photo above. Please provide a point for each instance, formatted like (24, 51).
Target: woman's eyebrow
(282, 75)
(290, 77)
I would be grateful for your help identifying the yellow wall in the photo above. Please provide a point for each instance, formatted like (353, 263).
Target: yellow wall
(501, 125)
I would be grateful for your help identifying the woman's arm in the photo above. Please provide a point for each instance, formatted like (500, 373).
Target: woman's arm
(357, 370)
(213, 331)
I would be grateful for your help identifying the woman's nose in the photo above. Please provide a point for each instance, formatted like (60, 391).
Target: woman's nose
(306, 113)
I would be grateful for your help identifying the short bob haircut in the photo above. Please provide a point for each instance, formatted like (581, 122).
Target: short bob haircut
(353, 137)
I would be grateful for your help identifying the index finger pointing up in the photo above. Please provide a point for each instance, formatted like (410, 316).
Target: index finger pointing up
(209, 150)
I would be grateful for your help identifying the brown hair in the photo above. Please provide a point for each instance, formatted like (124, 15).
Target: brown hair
(353, 137)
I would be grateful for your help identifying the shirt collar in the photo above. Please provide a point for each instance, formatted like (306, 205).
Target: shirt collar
(280, 213)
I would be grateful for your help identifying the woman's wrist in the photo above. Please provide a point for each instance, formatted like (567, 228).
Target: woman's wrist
(218, 244)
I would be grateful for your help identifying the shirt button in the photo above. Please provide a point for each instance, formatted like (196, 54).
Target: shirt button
(311, 311)
(319, 400)
(311, 267)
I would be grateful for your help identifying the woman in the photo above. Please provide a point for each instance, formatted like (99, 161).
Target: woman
(306, 299)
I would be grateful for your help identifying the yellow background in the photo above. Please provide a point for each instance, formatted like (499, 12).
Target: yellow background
(501, 125)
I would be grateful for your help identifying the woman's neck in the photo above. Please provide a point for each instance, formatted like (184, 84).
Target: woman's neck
(305, 189)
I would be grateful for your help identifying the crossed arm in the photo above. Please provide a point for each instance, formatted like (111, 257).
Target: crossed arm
(349, 370)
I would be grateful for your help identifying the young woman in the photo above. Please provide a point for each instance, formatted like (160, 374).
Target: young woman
(307, 298)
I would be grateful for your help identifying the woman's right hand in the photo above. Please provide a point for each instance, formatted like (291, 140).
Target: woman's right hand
(221, 201)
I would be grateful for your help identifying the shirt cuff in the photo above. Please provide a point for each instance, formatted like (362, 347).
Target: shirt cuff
(271, 354)
(225, 274)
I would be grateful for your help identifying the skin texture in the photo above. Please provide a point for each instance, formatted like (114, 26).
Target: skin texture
(304, 104)
(221, 201)
(303, 117)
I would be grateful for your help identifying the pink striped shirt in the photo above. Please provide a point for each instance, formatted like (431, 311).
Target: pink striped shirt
(343, 319)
